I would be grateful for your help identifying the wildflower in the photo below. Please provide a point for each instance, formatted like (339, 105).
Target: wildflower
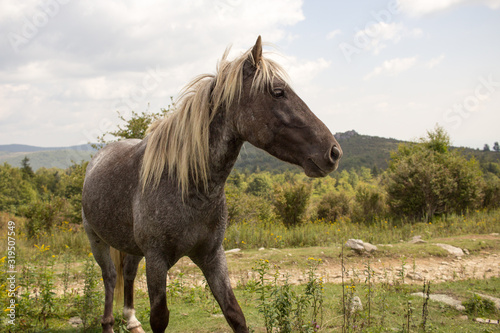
(243, 242)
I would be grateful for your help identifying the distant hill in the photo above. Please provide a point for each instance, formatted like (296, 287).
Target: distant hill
(359, 151)
(48, 157)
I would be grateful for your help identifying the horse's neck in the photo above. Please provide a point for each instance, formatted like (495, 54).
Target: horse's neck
(225, 146)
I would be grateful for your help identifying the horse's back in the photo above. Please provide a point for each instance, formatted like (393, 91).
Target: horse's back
(111, 183)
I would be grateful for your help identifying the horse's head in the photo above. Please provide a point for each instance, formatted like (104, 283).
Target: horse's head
(272, 117)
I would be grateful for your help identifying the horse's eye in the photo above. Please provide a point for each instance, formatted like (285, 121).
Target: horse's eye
(278, 93)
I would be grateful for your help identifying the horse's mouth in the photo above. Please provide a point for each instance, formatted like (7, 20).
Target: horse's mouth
(312, 169)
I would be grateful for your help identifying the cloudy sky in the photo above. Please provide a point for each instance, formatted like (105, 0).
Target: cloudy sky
(385, 68)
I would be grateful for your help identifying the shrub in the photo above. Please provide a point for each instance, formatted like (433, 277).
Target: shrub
(427, 179)
(369, 203)
(291, 201)
(333, 206)
(42, 215)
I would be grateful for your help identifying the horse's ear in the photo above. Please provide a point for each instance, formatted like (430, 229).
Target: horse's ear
(257, 52)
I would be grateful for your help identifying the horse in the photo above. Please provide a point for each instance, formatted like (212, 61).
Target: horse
(162, 198)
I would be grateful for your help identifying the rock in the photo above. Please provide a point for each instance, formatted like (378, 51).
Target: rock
(486, 321)
(359, 246)
(417, 240)
(262, 249)
(466, 251)
(456, 251)
(355, 244)
(494, 234)
(463, 317)
(233, 250)
(369, 247)
(443, 299)
(356, 304)
(75, 321)
(415, 276)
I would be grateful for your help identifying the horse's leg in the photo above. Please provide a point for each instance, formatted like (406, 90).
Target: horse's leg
(156, 274)
(101, 254)
(215, 270)
(130, 265)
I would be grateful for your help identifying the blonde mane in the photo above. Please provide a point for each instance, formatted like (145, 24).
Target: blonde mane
(179, 143)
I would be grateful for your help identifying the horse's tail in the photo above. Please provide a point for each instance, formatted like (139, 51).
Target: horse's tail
(118, 257)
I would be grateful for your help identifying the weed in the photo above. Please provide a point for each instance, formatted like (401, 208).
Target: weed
(426, 290)
(478, 306)
(89, 304)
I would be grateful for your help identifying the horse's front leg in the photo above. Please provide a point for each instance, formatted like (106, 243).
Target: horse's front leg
(214, 267)
(156, 274)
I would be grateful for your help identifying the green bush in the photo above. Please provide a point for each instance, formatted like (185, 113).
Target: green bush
(290, 202)
(42, 216)
(479, 306)
(334, 205)
(369, 203)
(427, 179)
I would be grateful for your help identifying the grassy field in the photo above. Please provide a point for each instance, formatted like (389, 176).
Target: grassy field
(297, 279)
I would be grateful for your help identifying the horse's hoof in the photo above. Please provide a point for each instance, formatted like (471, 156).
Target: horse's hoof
(137, 329)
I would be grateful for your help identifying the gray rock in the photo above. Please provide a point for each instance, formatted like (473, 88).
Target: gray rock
(456, 251)
(443, 299)
(75, 321)
(486, 321)
(356, 304)
(355, 244)
(369, 247)
(233, 250)
(359, 246)
(417, 240)
(415, 276)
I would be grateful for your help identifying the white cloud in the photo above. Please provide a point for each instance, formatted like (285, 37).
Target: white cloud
(424, 7)
(393, 67)
(374, 37)
(434, 61)
(83, 60)
(333, 34)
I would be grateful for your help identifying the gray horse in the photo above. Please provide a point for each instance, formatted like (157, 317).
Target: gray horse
(163, 198)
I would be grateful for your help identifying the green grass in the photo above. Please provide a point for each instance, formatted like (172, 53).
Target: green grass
(387, 310)
(66, 249)
(319, 233)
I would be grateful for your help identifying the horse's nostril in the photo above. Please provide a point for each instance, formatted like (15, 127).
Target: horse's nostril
(335, 153)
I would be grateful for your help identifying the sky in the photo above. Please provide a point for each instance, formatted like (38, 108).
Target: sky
(392, 68)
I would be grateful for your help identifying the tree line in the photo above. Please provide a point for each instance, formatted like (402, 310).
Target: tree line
(425, 179)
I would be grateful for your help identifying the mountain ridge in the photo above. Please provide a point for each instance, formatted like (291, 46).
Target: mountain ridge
(360, 150)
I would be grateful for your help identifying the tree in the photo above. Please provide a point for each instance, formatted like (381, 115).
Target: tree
(486, 147)
(135, 127)
(496, 147)
(26, 168)
(261, 185)
(426, 178)
(14, 189)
